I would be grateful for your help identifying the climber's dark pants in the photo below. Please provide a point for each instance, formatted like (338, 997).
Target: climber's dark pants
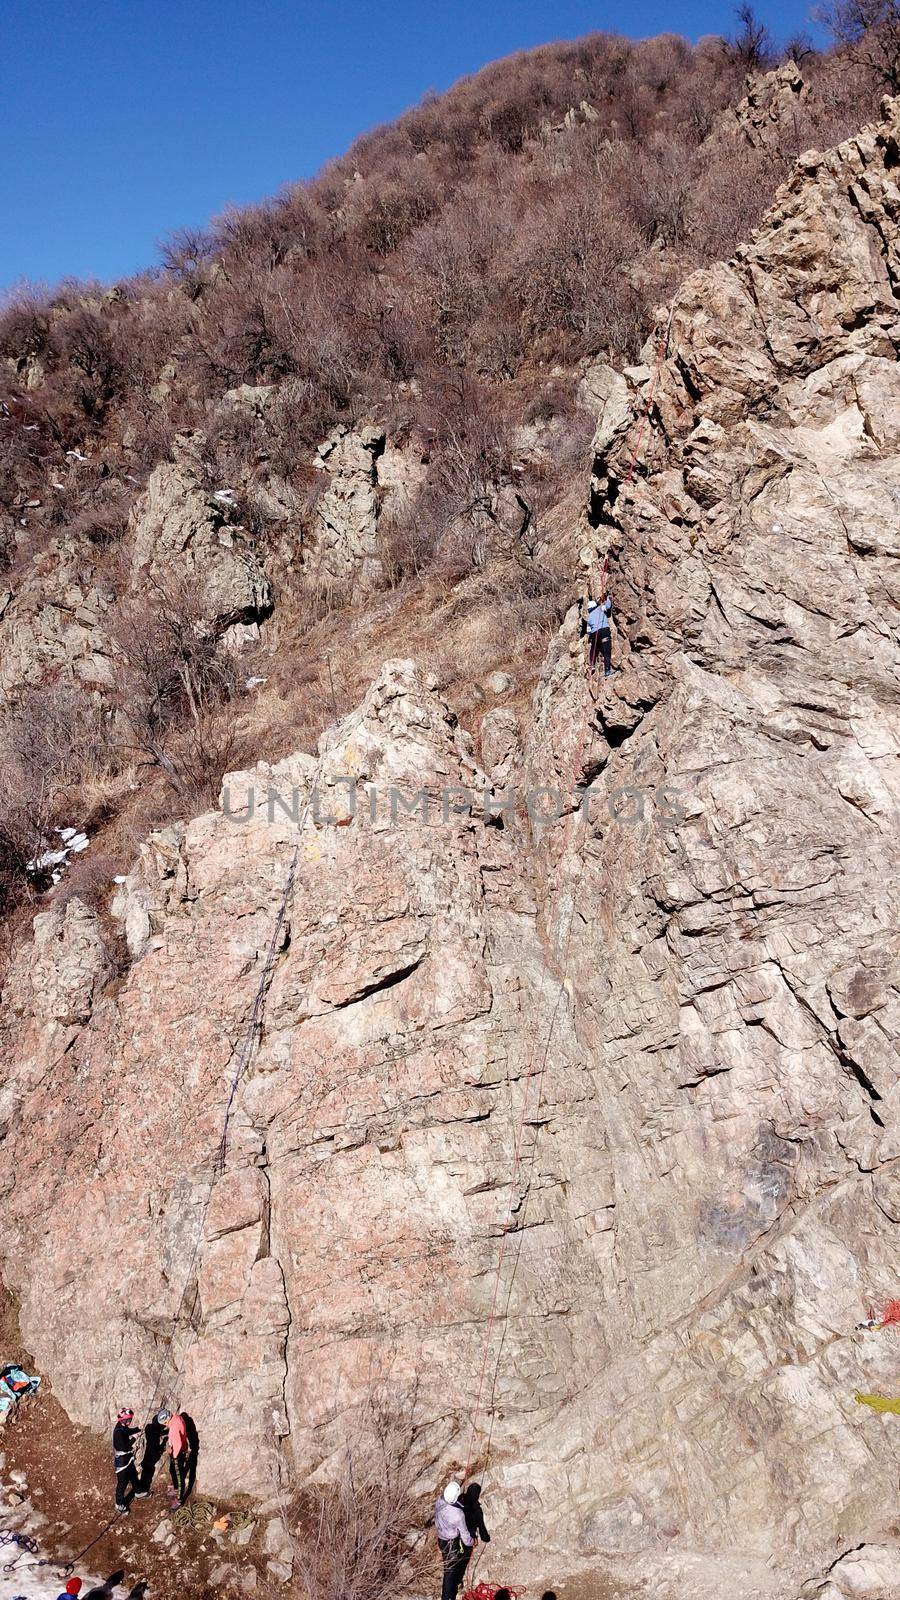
(153, 1448)
(601, 644)
(126, 1478)
(178, 1469)
(456, 1559)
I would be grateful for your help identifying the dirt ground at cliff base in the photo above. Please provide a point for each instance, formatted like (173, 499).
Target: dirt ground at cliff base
(69, 1481)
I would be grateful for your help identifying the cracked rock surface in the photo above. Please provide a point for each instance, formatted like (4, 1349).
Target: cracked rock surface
(698, 963)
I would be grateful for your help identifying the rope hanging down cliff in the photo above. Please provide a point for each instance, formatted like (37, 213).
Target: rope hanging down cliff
(245, 1052)
(249, 1040)
(536, 1074)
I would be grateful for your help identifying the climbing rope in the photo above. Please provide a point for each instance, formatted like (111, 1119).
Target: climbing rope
(250, 1039)
(243, 1058)
(487, 1591)
(537, 1074)
(27, 1546)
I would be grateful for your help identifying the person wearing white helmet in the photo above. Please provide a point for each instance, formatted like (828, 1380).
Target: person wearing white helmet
(454, 1539)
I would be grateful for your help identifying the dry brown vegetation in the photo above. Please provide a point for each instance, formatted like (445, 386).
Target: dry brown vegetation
(447, 275)
(350, 1536)
(478, 233)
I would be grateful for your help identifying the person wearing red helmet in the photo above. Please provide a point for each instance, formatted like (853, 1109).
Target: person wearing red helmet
(71, 1591)
(124, 1436)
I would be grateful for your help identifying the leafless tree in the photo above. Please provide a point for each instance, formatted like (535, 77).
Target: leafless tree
(871, 29)
(175, 690)
(752, 46)
(351, 1535)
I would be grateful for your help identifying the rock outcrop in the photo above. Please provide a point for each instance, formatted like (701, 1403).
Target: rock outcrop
(769, 110)
(185, 538)
(53, 623)
(743, 1014)
(367, 473)
(650, 1031)
(346, 539)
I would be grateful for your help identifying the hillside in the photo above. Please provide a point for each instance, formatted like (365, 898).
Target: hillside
(358, 412)
(449, 1131)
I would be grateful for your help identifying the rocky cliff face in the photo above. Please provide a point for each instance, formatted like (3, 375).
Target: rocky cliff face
(696, 964)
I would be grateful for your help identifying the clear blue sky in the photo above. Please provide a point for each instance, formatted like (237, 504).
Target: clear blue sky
(126, 119)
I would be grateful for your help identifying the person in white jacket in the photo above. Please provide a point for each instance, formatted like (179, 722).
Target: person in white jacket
(599, 616)
(454, 1539)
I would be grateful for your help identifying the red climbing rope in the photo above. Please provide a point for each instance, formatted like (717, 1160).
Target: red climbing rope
(489, 1591)
(661, 349)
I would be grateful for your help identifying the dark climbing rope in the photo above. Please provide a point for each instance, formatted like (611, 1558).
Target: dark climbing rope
(27, 1546)
(538, 1074)
(251, 1036)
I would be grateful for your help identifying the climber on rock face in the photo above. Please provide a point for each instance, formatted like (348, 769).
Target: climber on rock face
(454, 1539)
(123, 1439)
(598, 631)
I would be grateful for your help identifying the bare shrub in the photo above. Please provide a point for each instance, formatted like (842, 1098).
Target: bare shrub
(52, 741)
(871, 28)
(186, 256)
(24, 328)
(730, 199)
(176, 689)
(89, 351)
(408, 541)
(351, 1535)
(571, 273)
(394, 211)
(752, 45)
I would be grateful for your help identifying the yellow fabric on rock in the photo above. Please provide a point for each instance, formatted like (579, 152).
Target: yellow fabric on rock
(878, 1402)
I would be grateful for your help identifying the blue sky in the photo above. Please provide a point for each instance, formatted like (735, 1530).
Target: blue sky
(126, 119)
